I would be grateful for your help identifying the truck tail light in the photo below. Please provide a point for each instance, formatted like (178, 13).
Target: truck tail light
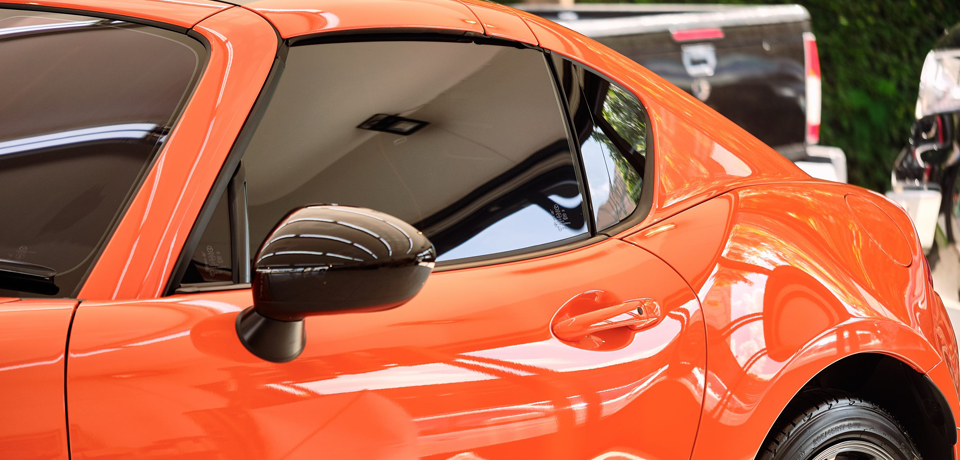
(812, 78)
(709, 33)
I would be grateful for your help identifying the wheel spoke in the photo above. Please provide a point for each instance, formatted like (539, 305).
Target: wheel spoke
(854, 450)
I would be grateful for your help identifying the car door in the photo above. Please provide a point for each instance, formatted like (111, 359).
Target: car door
(472, 144)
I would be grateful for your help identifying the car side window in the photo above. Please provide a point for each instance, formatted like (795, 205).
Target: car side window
(468, 143)
(86, 105)
(611, 127)
(212, 260)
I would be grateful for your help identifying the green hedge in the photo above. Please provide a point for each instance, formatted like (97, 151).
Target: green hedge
(871, 52)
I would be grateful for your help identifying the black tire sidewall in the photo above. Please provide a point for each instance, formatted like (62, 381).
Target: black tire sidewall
(847, 423)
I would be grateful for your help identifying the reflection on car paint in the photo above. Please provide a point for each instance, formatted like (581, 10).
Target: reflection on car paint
(441, 381)
(771, 291)
(778, 280)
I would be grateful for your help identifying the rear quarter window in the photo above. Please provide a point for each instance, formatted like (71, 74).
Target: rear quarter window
(611, 126)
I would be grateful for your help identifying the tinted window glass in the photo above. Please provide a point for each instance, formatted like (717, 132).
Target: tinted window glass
(86, 103)
(611, 126)
(212, 260)
(466, 142)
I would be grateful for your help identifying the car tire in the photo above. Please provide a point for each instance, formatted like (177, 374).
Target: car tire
(828, 425)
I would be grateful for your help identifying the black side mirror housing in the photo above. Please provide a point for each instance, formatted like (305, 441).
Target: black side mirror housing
(323, 260)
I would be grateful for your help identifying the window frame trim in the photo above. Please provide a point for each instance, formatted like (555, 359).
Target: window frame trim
(228, 171)
(233, 161)
(645, 204)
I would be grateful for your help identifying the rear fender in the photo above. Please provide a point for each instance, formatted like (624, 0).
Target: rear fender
(792, 278)
(736, 420)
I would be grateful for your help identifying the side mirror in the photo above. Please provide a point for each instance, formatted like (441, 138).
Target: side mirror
(323, 260)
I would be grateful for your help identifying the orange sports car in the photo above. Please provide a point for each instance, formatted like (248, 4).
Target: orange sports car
(445, 229)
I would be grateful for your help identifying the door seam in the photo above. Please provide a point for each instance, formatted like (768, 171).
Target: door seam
(66, 354)
(706, 348)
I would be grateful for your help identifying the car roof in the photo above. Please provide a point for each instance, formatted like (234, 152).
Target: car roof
(176, 13)
(694, 173)
(294, 18)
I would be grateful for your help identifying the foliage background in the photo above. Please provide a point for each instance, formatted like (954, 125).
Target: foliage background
(871, 52)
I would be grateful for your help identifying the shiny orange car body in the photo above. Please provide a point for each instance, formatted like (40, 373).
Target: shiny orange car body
(767, 279)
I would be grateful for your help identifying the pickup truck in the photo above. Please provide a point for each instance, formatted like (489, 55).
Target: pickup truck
(756, 65)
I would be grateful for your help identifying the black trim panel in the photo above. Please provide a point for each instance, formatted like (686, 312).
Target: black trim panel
(212, 287)
(239, 226)
(573, 144)
(226, 174)
(649, 172)
(407, 35)
(532, 252)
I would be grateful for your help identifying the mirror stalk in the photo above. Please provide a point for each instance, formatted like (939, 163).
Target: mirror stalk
(326, 260)
(271, 339)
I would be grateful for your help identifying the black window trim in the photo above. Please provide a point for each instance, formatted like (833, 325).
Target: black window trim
(648, 174)
(227, 175)
(199, 72)
(573, 141)
(233, 162)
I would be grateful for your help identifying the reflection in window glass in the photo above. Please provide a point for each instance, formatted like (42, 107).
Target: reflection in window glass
(507, 234)
(86, 103)
(614, 191)
(465, 142)
(212, 261)
(611, 128)
(626, 116)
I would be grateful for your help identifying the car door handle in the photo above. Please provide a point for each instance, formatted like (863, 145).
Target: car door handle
(634, 314)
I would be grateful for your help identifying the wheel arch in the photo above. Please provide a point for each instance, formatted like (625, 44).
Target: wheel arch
(898, 382)
(898, 387)
(792, 286)
(833, 353)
